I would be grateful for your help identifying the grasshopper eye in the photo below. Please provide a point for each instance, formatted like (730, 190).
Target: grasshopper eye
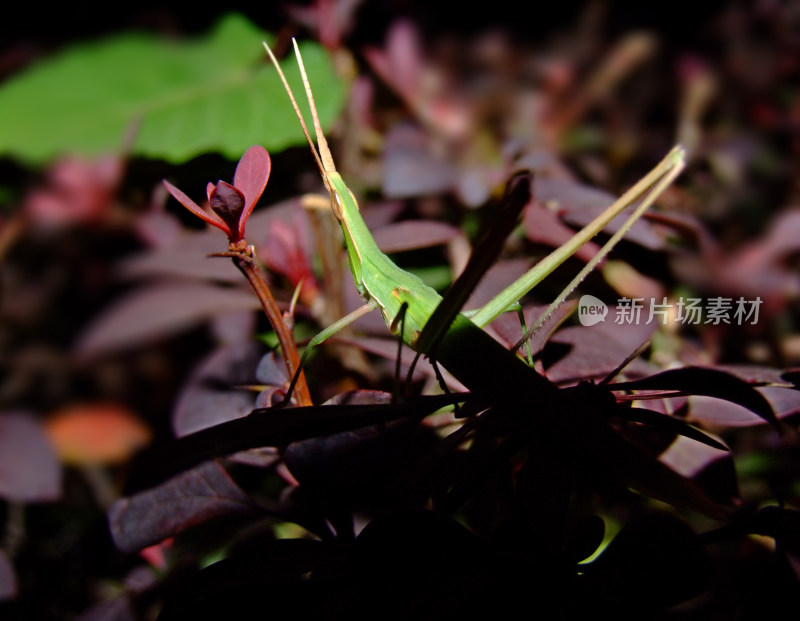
(336, 204)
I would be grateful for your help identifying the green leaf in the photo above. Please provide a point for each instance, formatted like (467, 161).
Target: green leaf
(188, 97)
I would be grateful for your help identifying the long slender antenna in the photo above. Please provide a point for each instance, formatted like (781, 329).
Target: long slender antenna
(297, 111)
(324, 151)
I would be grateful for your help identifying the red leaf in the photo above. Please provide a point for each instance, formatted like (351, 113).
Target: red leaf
(187, 202)
(250, 178)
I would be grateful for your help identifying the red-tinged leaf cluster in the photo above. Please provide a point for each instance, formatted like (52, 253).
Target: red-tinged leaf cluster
(78, 192)
(232, 204)
(287, 251)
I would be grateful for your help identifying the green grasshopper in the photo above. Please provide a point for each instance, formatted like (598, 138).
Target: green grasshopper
(570, 422)
(571, 425)
(439, 330)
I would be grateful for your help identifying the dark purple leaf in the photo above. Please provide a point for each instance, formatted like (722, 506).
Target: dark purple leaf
(672, 425)
(410, 167)
(264, 428)
(340, 462)
(597, 350)
(688, 457)
(508, 327)
(754, 374)
(711, 469)
(497, 278)
(579, 205)
(560, 195)
(270, 371)
(221, 389)
(233, 328)
(400, 62)
(784, 402)
(8, 578)
(157, 311)
(187, 256)
(29, 468)
(211, 396)
(183, 501)
(706, 382)
(379, 215)
(414, 234)
(542, 226)
(387, 348)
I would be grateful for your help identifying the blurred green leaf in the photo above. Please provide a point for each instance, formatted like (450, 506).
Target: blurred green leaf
(188, 97)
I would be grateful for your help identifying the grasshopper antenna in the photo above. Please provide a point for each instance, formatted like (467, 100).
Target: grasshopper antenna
(317, 130)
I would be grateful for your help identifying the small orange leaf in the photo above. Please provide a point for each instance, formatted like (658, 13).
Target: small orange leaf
(96, 433)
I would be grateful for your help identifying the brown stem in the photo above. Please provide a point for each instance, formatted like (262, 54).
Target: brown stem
(242, 256)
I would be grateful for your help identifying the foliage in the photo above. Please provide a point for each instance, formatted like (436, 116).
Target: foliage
(178, 98)
(657, 482)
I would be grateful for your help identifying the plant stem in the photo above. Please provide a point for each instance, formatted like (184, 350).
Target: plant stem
(242, 256)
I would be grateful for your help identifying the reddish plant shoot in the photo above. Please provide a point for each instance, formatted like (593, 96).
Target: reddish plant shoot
(231, 204)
